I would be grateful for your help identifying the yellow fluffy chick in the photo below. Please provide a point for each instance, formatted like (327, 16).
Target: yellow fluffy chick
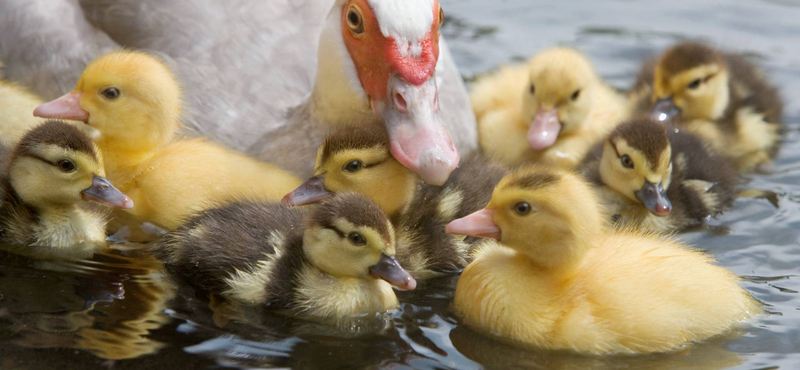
(560, 280)
(721, 97)
(550, 111)
(16, 110)
(134, 101)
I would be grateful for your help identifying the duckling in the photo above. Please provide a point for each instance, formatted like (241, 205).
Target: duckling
(16, 105)
(359, 159)
(550, 111)
(133, 100)
(721, 97)
(661, 182)
(335, 262)
(558, 279)
(51, 171)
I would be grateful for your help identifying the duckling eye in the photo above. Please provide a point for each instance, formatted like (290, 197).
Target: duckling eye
(110, 93)
(575, 95)
(65, 165)
(356, 239)
(533, 89)
(441, 16)
(353, 166)
(522, 208)
(626, 160)
(694, 84)
(354, 20)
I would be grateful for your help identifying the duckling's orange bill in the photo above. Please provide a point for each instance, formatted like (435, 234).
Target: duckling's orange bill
(65, 107)
(102, 191)
(654, 197)
(480, 224)
(311, 191)
(544, 129)
(390, 270)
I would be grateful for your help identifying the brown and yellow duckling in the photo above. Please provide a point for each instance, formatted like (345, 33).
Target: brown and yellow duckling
(134, 101)
(721, 97)
(560, 280)
(359, 159)
(336, 261)
(550, 111)
(53, 169)
(659, 181)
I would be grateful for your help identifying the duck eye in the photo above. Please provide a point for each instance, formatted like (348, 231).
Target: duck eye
(110, 93)
(626, 161)
(522, 208)
(533, 89)
(353, 166)
(356, 239)
(575, 95)
(694, 84)
(65, 165)
(355, 21)
(441, 16)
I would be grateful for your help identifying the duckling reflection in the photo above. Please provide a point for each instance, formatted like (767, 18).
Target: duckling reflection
(106, 306)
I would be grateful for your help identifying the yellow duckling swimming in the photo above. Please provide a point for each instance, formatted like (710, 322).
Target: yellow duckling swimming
(560, 280)
(335, 262)
(53, 169)
(133, 100)
(721, 97)
(550, 111)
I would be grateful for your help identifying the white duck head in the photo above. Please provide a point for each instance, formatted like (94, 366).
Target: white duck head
(377, 60)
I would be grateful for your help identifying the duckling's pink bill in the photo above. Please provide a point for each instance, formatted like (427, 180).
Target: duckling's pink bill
(480, 224)
(311, 191)
(544, 129)
(65, 107)
(102, 191)
(390, 270)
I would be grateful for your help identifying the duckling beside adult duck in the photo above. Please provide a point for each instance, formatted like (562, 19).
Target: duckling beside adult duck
(334, 262)
(133, 100)
(721, 97)
(359, 159)
(558, 279)
(53, 169)
(549, 111)
(659, 181)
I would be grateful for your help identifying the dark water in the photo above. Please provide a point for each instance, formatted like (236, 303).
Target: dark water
(119, 312)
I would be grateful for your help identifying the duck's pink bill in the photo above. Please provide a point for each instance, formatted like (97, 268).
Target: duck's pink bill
(480, 224)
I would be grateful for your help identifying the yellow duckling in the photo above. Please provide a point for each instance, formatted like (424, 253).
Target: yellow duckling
(335, 262)
(550, 111)
(16, 105)
(53, 169)
(721, 97)
(560, 280)
(659, 181)
(133, 100)
(359, 159)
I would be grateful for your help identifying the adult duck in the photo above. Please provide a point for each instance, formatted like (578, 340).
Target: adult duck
(379, 60)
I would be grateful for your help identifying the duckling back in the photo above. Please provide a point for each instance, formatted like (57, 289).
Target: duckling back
(16, 107)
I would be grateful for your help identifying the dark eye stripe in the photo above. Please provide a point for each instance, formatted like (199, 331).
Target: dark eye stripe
(34, 156)
(336, 230)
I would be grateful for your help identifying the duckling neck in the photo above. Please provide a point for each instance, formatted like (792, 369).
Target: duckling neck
(324, 295)
(120, 161)
(69, 225)
(561, 256)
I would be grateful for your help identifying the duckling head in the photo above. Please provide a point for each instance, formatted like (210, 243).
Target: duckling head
(547, 214)
(691, 80)
(56, 164)
(637, 163)
(358, 159)
(349, 236)
(131, 97)
(558, 98)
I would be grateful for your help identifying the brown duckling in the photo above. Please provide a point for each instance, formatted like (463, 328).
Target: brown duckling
(53, 169)
(335, 261)
(359, 159)
(549, 111)
(661, 182)
(721, 97)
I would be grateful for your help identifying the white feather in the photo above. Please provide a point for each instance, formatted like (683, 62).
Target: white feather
(406, 21)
